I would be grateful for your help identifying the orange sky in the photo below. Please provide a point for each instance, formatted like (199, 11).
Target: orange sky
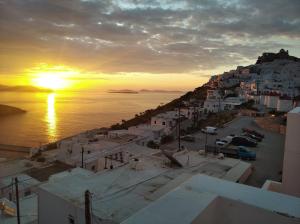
(123, 44)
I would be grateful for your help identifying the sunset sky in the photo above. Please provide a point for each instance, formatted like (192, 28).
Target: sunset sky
(163, 44)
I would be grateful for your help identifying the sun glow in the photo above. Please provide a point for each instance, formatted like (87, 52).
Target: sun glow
(50, 81)
(52, 77)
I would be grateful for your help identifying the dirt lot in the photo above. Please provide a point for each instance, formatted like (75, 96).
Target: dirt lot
(269, 152)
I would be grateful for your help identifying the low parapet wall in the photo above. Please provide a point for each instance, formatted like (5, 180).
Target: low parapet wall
(14, 148)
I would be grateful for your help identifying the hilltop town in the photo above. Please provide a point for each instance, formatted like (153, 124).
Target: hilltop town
(228, 147)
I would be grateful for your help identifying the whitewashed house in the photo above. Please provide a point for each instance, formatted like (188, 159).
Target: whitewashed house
(231, 103)
(27, 185)
(272, 100)
(167, 121)
(284, 104)
(147, 133)
(213, 101)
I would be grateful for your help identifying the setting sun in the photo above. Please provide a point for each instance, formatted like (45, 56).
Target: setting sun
(51, 81)
(52, 77)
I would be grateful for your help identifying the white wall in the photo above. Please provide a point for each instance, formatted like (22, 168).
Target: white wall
(272, 102)
(291, 163)
(284, 105)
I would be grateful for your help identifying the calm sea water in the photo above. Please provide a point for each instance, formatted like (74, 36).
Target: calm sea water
(52, 116)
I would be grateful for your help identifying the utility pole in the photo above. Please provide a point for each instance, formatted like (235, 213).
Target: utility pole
(87, 198)
(179, 131)
(17, 199)
(82, 150)
(194, 117)
(205, 142)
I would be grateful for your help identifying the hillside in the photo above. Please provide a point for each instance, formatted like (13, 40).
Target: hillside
(4, 88)
(270, 68)
(199, 94)
(9, 110)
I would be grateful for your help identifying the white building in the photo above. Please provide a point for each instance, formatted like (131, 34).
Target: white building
(209, 200)
(114, 157)
(119, 193)
(147, 132)
(284, 104)
(215, 103)
(190, 112)
(167, 121)
(72, 153)
(291, 163)
(272, 100)
(27, 186)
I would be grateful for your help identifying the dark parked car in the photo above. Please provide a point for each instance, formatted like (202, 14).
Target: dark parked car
(245, 153)
(252, 136)
(243, 141)
(251, 131)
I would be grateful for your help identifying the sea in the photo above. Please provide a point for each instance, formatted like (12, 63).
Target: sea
(53, 116)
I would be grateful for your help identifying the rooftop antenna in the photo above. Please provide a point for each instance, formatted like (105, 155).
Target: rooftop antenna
(82, 151)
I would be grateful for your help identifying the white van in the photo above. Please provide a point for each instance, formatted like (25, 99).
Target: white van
(209, 130)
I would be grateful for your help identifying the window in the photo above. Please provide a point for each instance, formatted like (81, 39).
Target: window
(71, 219)
(27, 192)
(163, 123)
(154, 122)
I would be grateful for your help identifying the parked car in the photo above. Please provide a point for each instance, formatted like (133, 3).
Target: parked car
(188, 138)
(239, 152)
(252, 136)
(209, 130)
(245, 153)
(243, 141)
(251, 131)
(229, 138)
(222, 142)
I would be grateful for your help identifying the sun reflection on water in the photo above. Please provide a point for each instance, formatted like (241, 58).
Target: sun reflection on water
(51, 117)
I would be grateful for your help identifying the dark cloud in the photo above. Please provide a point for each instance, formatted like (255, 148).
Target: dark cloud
(143, 36)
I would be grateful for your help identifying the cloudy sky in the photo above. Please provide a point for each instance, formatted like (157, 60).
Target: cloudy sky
(151, 43)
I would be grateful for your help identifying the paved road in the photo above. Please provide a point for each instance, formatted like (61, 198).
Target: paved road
(233, 128)
(269, 152)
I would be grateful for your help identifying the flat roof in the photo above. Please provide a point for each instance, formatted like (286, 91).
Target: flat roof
(121, 192)
(24, 179)
(296, 110)
(135, 149)
(43, 173)
(14, 167)
(185, 203)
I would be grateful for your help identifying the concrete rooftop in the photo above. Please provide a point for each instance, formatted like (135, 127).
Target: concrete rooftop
(121, 192)
(196, 196)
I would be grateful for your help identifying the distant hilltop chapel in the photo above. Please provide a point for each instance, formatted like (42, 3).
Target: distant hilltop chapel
(269, 57)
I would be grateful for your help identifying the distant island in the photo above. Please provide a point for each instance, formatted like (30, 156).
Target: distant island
(4, 88)
(160, 91)
(6, 110)
(143, 91)
(123, 91)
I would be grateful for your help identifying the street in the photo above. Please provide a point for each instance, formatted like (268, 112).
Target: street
(269, 152)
